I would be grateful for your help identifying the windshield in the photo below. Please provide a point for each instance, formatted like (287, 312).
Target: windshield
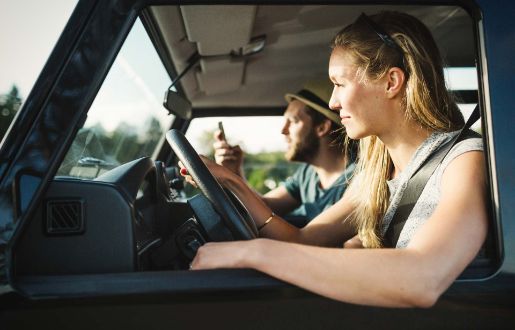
(126, 120)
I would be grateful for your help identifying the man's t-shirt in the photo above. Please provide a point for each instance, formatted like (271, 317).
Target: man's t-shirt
(304, 186)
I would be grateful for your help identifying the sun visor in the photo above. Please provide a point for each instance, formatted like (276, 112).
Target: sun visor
(219, 75)
(206, 25)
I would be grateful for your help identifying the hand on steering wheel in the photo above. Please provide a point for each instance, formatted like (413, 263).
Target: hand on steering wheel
(240, 226)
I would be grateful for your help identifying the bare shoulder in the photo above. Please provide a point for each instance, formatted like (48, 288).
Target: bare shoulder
(461, 214)
(465, 170)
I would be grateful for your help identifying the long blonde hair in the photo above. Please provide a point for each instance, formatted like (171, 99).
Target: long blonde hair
(426, 101)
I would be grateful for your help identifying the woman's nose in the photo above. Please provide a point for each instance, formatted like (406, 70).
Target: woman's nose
(334, 104)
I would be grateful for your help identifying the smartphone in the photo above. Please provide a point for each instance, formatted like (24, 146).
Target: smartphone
(221, 128)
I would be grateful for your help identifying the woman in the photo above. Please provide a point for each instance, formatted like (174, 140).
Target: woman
(390, 93)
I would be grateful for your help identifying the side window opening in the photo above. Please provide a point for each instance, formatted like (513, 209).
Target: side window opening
(261, 140)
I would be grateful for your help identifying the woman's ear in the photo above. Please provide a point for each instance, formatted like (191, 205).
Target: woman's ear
(395, 82)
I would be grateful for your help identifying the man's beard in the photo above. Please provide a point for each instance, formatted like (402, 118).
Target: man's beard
(305, 149)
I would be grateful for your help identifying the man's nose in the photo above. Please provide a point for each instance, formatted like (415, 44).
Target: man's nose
(285, 129)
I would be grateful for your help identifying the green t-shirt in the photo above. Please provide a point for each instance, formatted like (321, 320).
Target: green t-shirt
(304, 186)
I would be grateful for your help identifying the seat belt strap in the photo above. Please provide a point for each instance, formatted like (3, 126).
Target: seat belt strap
(419, 179)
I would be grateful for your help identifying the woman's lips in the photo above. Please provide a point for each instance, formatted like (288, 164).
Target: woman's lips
(344, 118)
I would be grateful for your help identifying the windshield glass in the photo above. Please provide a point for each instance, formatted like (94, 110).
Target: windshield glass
(126, 120)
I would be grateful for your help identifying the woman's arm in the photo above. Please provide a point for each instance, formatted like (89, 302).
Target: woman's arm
(280, 200)
(328, 229)
(414, 276)
(231, 157)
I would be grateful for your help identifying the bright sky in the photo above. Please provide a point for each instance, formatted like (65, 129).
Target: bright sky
(29, 30)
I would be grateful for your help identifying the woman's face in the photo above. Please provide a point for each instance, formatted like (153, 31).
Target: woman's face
(360, 104)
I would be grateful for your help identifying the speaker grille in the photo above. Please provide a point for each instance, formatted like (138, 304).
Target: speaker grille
(64, 217)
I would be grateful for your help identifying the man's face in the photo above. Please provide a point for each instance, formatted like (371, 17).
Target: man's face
(300, 134)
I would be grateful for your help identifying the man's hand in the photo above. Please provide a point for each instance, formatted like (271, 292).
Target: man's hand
(228, 156)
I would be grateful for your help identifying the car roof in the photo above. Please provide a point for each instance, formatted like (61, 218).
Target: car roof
(296, 47)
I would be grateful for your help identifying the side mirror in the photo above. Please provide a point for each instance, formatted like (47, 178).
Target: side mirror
(177, 105)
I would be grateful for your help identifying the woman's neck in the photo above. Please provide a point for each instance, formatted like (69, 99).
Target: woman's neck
(402, 144)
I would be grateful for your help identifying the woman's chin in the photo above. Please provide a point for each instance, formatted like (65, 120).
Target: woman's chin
(353, 134)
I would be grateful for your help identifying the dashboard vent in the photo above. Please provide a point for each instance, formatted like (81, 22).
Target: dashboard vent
(64, 217)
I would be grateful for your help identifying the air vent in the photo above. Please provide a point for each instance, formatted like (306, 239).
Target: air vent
(64, 217)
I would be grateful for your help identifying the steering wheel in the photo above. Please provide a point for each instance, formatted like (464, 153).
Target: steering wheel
(241, 227)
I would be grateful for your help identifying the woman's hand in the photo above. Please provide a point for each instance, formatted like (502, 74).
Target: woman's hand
(219, 172)
(223, 255)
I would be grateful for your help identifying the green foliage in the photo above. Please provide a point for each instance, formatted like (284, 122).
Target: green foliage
(9, 105)
(205, 143)
(267, 170)
(264, 171)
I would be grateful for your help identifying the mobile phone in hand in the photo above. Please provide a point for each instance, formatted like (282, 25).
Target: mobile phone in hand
(221, 128)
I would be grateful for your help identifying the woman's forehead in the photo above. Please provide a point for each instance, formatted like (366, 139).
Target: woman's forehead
(341, 64)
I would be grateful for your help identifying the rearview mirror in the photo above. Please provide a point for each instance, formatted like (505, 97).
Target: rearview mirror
(177, 105)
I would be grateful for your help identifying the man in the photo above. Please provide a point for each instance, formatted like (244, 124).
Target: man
(312, 132)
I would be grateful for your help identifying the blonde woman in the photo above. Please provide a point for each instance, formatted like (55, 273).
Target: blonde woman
(389, 92)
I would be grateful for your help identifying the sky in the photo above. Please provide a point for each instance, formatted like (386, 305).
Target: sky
(29, 29)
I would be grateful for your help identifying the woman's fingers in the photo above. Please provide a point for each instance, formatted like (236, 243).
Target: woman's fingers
(220, 255)
(215, 169)
(184, 172)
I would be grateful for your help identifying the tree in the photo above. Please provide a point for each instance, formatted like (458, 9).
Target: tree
(9, 105)
(151, 137)
(267, 170)
(205, 143)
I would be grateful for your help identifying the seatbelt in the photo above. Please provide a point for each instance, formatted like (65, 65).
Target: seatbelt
(419, 179)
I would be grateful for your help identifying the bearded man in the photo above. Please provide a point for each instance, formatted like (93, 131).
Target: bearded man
(313, 133)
